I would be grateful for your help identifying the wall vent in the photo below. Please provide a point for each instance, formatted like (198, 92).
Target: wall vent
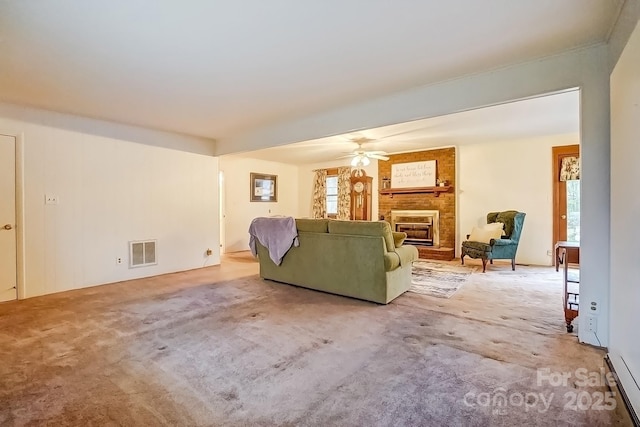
(142, 253)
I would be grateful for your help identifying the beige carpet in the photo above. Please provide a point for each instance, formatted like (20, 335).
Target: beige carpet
(200, 348)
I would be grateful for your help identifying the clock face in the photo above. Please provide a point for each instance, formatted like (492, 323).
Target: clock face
(358, 187)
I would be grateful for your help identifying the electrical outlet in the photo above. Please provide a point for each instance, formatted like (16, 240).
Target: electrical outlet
(118, 260)
(592, 323)
(50, 199)
(209, 252)
(593, 307)
(549, 253)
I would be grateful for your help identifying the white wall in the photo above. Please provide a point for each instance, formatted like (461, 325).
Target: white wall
(111, 190)
(239, 211)
(625, 212)
(306, 175)
(510, 175)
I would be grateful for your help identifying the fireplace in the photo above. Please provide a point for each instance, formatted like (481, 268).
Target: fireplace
(422, 226)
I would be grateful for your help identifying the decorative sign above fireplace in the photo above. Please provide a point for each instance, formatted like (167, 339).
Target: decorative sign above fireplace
(414, 174)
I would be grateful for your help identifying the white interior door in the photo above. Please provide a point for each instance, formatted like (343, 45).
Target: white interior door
(221, 194)
(8, 251)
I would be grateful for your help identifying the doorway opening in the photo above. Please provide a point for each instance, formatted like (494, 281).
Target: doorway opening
(566, 197)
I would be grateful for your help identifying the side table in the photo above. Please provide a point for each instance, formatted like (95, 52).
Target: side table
(571, 294)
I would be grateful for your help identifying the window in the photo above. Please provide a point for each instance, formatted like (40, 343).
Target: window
(332, 195)
(573, 210)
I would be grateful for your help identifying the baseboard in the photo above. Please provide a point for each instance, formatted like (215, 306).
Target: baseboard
(629, 389)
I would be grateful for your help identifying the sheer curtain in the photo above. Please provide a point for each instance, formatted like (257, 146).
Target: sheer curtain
(344, 193)
(320, 194)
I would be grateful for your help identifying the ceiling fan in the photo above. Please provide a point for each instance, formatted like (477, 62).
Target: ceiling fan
(361, 157)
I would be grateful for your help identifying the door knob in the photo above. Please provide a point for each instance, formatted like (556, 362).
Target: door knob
(7, 227)
(563, 217)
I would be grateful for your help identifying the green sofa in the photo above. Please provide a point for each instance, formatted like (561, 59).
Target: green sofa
(356, 259)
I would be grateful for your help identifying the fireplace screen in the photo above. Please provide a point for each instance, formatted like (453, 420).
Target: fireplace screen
(419, 229)
(421, 226)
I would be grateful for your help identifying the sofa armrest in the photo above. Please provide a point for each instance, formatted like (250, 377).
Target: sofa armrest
(404, 255)
(408, 254)
(391, 261)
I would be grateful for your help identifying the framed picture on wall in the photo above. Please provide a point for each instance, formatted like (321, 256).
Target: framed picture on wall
(264, 188)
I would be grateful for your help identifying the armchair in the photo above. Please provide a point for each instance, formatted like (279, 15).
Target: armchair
(503, 248)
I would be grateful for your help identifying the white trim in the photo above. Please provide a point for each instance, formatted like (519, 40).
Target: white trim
(21, 271)
(626, 381)
(19, 206)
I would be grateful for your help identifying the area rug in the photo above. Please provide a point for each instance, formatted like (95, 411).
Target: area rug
(438, 279)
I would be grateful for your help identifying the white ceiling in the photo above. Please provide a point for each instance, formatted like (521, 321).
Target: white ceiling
(551, 115)
(214, 68)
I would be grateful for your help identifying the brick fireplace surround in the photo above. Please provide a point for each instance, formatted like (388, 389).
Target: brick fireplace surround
(445, 203)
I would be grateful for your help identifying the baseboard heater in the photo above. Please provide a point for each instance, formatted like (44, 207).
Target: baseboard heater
(634, 391)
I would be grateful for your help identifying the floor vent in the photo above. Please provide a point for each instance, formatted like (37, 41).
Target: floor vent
(142, 253)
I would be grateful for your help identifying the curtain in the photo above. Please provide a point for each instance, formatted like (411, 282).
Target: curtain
(570, 168)
(320, 194)
(344, 193)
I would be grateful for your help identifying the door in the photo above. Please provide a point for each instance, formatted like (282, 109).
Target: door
(221, 210)
(8, 251)
(566, 200)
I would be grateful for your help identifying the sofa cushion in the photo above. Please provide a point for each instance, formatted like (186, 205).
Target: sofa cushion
(364, 228)
(398, 238)
(312, 225)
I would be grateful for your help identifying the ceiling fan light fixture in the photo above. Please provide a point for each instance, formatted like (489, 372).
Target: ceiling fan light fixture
(360, 160)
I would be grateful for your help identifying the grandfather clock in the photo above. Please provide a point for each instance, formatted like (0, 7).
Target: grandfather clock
(361, 186)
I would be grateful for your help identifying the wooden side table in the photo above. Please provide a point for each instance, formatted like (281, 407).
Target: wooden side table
(563, 248)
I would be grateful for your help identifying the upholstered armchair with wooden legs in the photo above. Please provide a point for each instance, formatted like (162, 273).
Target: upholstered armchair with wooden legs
(502, 248)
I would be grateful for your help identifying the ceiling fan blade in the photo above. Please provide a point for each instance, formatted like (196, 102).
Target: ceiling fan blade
(377, 156)
(379, 152)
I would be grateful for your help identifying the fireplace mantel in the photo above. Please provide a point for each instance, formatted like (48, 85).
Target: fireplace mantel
(435, 190)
